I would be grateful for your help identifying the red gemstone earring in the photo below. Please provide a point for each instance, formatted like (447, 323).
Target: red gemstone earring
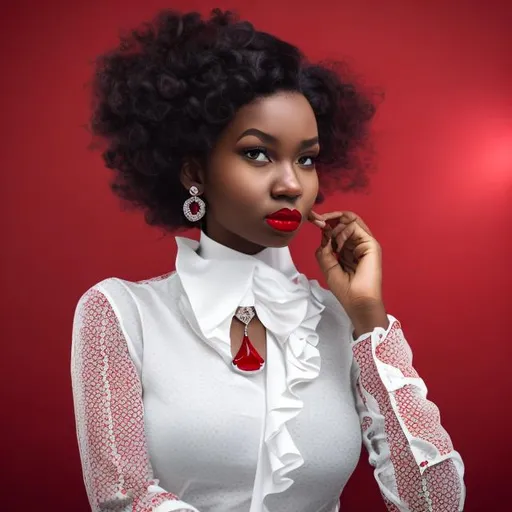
(194, 207)
(247, 360)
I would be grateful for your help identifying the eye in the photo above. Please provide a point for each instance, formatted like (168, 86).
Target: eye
(307, 160)
(256, 154)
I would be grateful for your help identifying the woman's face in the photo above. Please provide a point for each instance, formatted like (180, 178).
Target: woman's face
(264, 161)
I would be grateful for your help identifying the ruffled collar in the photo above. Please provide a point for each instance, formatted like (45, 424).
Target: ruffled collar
(216, 280)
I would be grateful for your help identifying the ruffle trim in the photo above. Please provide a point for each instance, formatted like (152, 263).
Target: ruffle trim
(302, 363)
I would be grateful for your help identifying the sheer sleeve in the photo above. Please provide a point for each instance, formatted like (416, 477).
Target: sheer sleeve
(107, 396)
(415, 464)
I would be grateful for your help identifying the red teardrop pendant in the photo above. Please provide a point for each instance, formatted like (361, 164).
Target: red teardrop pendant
(247, 359)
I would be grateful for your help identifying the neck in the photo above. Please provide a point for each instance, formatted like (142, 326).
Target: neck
(231, 240)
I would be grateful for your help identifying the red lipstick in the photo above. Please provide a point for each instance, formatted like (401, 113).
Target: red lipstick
(284, 220)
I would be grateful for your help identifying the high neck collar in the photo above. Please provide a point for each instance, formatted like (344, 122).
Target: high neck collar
(279, 258)
(219, 280)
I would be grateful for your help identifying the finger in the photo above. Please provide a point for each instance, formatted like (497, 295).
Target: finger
(316, 219)
(361, 250)
(351, 217)
(347, 217)
(325, 255)
(344, 217)
(357, 234)
(329, 263)
(348, 264)
(338, 229)
(331, 219)
(344, 235)
(332, 215)
(325, 239)
(351, 244)
(312, 215)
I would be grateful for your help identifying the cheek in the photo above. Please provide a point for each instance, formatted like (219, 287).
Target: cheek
(310, 185)
(233, 183)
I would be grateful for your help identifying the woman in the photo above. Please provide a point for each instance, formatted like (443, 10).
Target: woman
(235, 382)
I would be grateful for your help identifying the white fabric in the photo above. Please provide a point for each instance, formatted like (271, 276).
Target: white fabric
(290, 312)
(199, 412)
(165, 424)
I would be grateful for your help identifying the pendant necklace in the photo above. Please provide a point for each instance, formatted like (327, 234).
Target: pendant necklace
(247, 359)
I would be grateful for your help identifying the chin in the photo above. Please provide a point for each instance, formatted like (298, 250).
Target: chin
(269, 237)
(281, 239)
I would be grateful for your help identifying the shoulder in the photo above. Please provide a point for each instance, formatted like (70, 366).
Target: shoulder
(115, 290)
(126, 299)
(119, 303)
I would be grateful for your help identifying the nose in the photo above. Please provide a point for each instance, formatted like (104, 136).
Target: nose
(287, 184)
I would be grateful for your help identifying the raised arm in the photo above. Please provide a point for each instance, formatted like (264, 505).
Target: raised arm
(416, 467)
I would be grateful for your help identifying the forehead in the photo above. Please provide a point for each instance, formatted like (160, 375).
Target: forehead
(283, 115)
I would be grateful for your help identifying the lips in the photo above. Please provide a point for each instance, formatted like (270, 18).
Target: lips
(286, 214)
(284, 220)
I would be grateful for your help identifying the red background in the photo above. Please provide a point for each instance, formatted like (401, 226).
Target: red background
(440, 204)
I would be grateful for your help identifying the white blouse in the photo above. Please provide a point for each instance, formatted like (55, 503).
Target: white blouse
(161, 413)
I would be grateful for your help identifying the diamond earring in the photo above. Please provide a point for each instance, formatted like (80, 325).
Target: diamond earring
(194, 207)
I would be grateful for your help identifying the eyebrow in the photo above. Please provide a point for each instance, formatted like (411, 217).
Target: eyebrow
(270, 139)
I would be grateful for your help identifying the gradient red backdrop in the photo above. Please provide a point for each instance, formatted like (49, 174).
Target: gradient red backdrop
(440, 204)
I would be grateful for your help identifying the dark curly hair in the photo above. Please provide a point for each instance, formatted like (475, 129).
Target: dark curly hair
(171, 86)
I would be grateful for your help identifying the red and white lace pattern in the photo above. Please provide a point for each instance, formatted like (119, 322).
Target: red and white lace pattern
(107, 395)
(399, 420)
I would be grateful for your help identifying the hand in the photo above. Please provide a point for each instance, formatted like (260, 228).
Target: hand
(351, 261)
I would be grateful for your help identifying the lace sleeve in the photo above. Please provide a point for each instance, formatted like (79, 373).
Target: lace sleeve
(416, 466)
(107, 396)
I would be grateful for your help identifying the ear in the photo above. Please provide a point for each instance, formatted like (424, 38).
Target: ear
(192, 173)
